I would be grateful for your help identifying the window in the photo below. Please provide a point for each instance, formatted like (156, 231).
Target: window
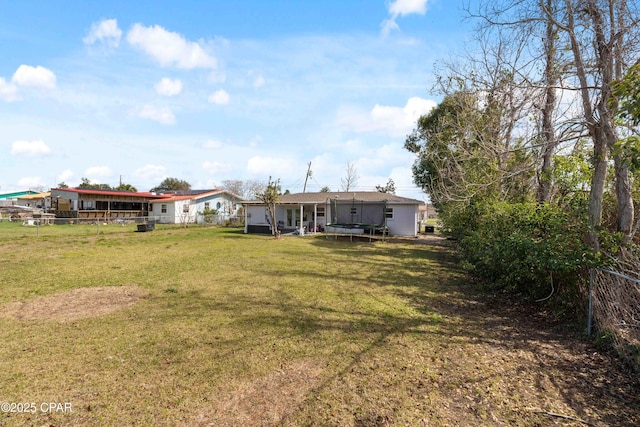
(206, 206)
(320, 211)
(185, 208)
(388, 213)
(354, 211)
(163, 208)
(218, 205)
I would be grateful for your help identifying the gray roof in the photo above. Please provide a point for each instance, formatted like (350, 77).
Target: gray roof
(322, 198)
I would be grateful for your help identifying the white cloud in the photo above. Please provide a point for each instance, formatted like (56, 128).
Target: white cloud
(150, 172)
(255, 141)
(212, 143)
(387, 26)
(407, 7)
(395, 121)
(8, 91)
(402, 8)
(106, 31)
(216, 167)
(95, 173)
(219, 97)
(65, 175)
(30, 148)
(258, 82)
(401, 120)
(27, 75)
(168, 87)
(162, 115)
(351, 147)
(281, 167)
(169, 48)
(30, 182)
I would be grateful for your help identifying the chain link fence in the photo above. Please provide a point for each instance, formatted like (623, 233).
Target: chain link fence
(614, 309)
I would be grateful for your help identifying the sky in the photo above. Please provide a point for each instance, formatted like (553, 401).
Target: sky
(207, 91)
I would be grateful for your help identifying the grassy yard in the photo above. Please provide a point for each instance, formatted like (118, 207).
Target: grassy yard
(208, 326)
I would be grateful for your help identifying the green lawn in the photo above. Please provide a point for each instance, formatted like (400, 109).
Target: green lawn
(235, 329)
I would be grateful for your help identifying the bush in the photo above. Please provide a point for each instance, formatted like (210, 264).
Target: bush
(521, 247)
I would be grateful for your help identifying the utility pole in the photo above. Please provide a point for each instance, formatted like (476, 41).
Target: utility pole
(304, 190)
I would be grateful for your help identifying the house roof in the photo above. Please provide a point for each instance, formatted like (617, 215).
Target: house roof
(112, 192)
(198, 194)
(35, 196)
(322, 198)
(16, 194)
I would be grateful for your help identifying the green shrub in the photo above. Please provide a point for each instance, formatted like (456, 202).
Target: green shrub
(521, 247)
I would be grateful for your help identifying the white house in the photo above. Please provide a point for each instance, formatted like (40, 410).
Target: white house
(351, 212)
(188, 207)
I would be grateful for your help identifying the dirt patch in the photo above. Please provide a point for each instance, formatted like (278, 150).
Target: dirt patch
(74, 304)
(265, 401)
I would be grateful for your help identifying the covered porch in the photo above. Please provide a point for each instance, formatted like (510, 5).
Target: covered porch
(300, 218)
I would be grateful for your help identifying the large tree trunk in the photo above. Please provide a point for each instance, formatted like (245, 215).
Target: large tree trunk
(548, 132)
(597, 187)
(609, 62)
(600, 147)
(606, 21)
(624, 197)
(623, 180)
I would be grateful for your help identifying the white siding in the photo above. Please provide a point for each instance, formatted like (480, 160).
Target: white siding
(404, 221)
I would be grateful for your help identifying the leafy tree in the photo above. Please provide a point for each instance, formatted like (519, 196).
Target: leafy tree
(172, 184)
(528, 214)
(456, 156)
(62, 185)
(325, 189)
(627, 149)
(389, 188)
(86, 184)
(126, 187)
(208, 214)
(270, 195)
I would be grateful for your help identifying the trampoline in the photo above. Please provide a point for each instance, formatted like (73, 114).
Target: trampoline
(356, 217)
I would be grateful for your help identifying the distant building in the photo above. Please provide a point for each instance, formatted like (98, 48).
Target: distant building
(100, 204)
(357, 212)
(10, 199)
(186, 207)
(36, 200)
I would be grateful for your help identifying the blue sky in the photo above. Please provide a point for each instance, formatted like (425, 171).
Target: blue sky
(212, 90)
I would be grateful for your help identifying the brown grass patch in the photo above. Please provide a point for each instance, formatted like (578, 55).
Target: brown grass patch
(74, 304)
(265, 401)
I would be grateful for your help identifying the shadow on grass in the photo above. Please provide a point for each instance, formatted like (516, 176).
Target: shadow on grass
(508, 351)
(520, 348)
(546, 356)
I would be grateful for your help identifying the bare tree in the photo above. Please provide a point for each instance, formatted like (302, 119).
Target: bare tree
(602, 37)
(246, 189)
(351, 178)
(548, 133)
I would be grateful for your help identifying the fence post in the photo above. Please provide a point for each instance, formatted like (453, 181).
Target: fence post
(592, 274)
